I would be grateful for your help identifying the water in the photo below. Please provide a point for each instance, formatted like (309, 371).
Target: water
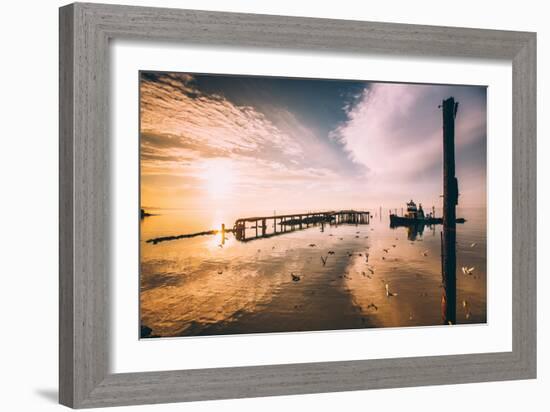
(198, 286)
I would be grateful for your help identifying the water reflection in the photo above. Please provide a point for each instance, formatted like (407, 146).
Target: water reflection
(218, 285)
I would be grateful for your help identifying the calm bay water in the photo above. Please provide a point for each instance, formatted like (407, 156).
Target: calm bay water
(198, 286)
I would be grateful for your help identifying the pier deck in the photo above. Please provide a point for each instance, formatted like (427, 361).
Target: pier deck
(267, 226)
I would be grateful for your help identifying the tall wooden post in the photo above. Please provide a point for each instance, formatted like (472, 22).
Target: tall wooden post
(450, 200)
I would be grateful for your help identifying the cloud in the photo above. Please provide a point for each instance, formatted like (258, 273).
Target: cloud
(395, 133)
(179, 115)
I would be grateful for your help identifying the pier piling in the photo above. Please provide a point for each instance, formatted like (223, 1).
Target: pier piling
(450, 200)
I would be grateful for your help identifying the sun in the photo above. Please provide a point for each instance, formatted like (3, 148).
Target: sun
(219, 178)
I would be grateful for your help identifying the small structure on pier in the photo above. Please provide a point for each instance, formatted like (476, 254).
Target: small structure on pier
(413, 212)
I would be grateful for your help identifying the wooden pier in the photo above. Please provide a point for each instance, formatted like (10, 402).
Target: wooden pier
(267, 226)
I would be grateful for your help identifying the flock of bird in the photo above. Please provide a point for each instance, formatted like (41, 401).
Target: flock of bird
(468, 271)
(370, 272)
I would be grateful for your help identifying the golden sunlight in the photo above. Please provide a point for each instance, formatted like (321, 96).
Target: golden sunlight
(219, 177)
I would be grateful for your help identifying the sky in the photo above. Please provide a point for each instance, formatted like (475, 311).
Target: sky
(259, 144)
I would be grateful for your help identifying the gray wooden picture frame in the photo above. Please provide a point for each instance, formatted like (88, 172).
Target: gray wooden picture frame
(85, 32)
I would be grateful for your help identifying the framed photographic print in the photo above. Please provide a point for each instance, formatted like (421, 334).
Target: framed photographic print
(266, 205)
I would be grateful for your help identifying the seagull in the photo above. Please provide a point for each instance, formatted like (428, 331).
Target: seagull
(468, 271)
(370, 270)
(220, 272)
(388, 293)
(373, 306)
(386, 250)
(312, 245)
(425, 253)
(324, 260)
(473, 244)
(331, 252)
(295, 278)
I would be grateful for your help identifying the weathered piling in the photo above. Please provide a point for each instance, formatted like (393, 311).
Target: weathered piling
(450, 200)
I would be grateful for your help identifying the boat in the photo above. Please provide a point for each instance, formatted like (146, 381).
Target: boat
(416, 216)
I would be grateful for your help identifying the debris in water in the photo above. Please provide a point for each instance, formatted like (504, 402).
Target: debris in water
(372, 306)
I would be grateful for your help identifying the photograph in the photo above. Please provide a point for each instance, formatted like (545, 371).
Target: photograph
(284, 205)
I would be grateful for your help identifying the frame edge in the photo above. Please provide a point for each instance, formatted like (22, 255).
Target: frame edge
(66, 175)
(84, 379)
